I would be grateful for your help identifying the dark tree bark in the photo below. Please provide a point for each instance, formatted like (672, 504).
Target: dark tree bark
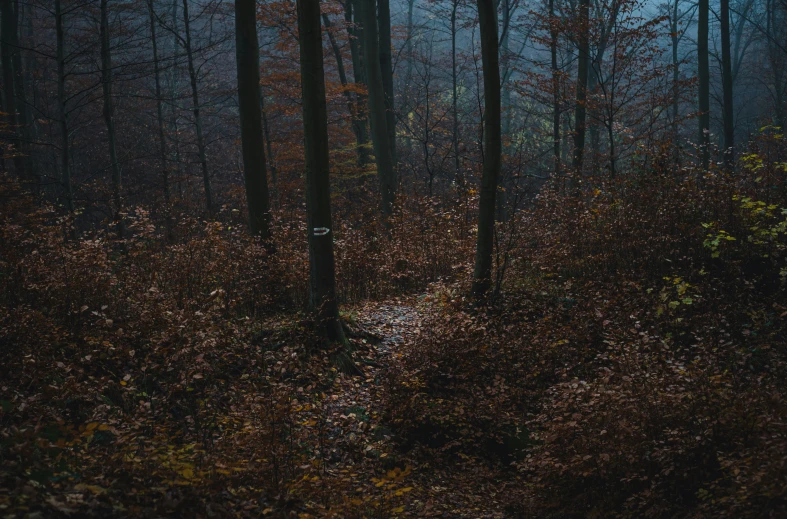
(703, 74)
(580, 113)
(482, 275)
(386, 68)
(203, 159)
(356, 123)
(9, 48)
(254, 172)
(380, 138)
(109, 117)
(674, 37)
(65, 148)
(555, 86)
(355, 34)
(162, 141)
(174, 103)
(726, 81)
(454, 93)
(269, 148)
(318, 195)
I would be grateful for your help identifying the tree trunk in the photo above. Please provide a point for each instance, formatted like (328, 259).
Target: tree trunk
(382, 144)
(409, 42)
(703, 73)
(728, 107)
(9, 48)
(506, 86)
(355, 34)
(777, 63)
(269, 149)
(203, 159)
(555, 87)
(65, 150)
(109, 117)
(174, 105)
(454, 96)
(318, 196)
(356, 123)
(254, 172)
(675, 68)
(582, 85)
(386, 69)
(160, 117)
(482, 275)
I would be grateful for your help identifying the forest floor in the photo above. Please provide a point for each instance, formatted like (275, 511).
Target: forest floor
(443, 486)
(258, 424)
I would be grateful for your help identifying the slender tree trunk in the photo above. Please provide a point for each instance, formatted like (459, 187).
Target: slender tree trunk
(482, 274)
(382, 144)
(269, 149)
(675, 67)
(356, 122)
(555, 86)
(582, 85)
(25, 113)
(9, 49)
(65, 150)
(174, 104)
(507, 115)
(254, 173)
(386, 69)
(203, 159)
(109, 118)
(777, 63)
(505, 53)
(703, 73)
(408, 45)
(21, 84)
(454, 96)
(318, 196)
(728, 107)
(408, 49)
(162, 141)
(359, 78)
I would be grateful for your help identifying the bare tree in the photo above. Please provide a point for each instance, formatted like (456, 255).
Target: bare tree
(482, 274)
(248, 63)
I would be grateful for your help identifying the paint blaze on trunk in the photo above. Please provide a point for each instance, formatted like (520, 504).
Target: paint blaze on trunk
(318, 190)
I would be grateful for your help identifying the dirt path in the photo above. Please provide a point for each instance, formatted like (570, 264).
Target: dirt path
(439, 487)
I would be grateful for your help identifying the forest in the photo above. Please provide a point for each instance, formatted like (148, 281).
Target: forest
(393, 258)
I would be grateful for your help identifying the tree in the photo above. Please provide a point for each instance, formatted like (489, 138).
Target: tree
(580, 110)
(358, 125)
(703, 74)
(383, 153)
(65, 148)
(9, 10)
(386, 69)
(254, 171)
(203, 158)
(553, 41)
(318, 190)
(355, 34)
(109, 114)
(160, 116)
(726, 80)
(482, 274)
